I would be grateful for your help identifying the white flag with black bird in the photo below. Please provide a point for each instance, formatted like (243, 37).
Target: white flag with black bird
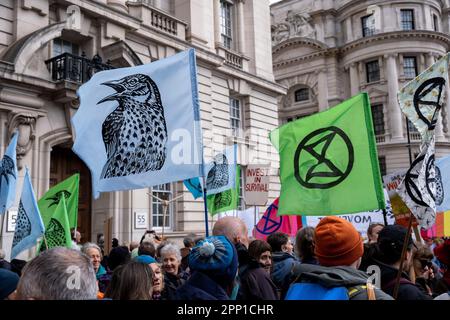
(139, 127)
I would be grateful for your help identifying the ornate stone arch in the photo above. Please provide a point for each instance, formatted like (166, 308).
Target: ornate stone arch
(121, 54)
(22, 51)
(45, 144)
(300, 81)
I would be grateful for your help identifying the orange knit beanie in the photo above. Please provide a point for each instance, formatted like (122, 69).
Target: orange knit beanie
(337, 242)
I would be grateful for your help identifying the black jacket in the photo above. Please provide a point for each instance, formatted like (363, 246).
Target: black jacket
(172, 283)
(256, 284)
(200, 287)
(407, 290)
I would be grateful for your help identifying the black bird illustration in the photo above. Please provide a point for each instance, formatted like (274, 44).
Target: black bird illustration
(57, 196)
(6, 169)
(218, 174)
(223, 199)
(23, 225)
(135, 133)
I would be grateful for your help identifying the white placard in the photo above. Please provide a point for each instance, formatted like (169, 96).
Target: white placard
(141, 219)
(256, 189)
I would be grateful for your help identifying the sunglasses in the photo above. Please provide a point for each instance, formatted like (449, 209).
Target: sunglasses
(426, 263)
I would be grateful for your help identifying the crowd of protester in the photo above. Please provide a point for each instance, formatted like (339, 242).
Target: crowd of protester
(230, 266)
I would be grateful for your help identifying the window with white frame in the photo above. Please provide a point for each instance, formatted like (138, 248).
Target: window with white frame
(61, 46)
(236, 116)
(410, 67)
(226, 23)
(407, 19)
(368, 25)
(159, 217)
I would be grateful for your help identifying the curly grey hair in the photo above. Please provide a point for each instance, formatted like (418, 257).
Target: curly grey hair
(171, 248)
(90, 245)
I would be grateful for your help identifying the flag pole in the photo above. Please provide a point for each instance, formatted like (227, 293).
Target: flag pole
(385, 217)
(205, 204)
(405, 246)
(45, 242)
(408, 232)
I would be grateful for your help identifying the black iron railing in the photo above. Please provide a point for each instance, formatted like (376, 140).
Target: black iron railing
(75, 68)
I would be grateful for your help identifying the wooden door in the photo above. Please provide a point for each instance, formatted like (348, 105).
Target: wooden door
(64, 163)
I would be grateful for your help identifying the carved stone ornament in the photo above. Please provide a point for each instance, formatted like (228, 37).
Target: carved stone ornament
(298, 24)
(26, 124)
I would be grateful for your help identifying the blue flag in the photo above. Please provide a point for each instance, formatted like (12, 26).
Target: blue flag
(194, 186)
(139, 127)
(221, 171)
(29, 225)
(8, 175)
(443, 184)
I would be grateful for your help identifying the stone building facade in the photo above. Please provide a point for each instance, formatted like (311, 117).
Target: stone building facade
(48, 48)
(326, 51)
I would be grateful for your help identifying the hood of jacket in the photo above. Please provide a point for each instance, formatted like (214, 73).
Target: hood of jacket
(330, 276)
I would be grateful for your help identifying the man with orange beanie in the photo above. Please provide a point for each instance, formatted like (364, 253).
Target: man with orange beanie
(339, 248)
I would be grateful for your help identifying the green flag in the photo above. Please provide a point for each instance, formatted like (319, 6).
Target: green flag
(329, 163)
(57, 233)
(67, 188)
(226, 200)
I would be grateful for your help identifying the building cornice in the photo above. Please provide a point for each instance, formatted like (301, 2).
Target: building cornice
(357, 5)
(360, 43)
(299, 41)
(402, 35)
(315, 55)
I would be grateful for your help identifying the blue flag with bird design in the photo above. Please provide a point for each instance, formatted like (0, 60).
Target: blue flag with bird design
(29, 224)
(8, 175)
(138, 127)
(220, 172)
(194, 186)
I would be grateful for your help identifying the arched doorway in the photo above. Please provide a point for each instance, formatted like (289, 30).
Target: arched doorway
(64, 163)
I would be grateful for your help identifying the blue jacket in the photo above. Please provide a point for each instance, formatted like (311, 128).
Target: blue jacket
(200, 287)
(283, 264)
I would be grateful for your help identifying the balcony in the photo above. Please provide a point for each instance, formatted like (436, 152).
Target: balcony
(163, 22)
(157, 19)
(380, 138)
(233, 59)
(69, 67)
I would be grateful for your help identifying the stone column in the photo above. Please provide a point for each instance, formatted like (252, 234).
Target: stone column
(395, 114)
(354, 79)
(322, 88)
(446, 119)
(240, 26)
(349, 29)
(217, 38)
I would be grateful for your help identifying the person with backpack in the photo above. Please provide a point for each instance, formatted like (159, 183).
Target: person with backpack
(338, 248)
